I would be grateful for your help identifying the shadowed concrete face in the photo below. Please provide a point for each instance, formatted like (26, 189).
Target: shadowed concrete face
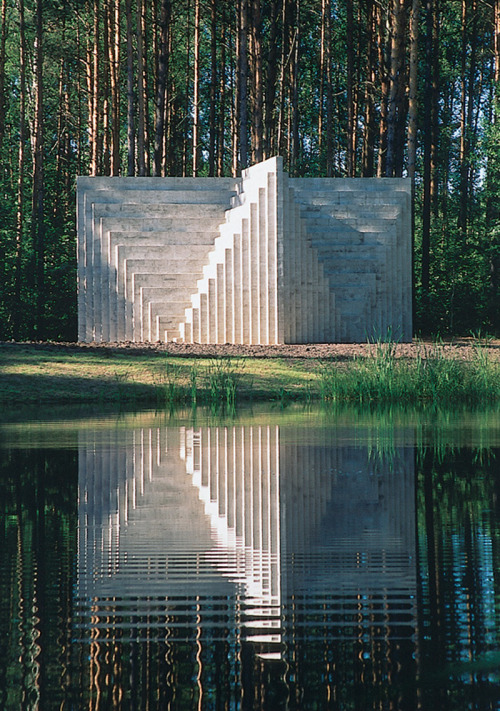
(263, 259)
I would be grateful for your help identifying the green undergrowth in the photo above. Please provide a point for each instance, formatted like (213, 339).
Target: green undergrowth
(430, 377)
(59, 375)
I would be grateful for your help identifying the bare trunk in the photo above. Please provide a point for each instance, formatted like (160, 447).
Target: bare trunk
(413, 90)
(141, 91)
(20, 176)
(130, 92)
(243, 86)
(395, 84)
(114, 67)
(196, 89)
(161, 90)
(212, 141)
(269, 108)
(384, 83)
(257, 123)
(350, 89)
(3, 38)
(37, 221)
(368, 151)
(95, 89)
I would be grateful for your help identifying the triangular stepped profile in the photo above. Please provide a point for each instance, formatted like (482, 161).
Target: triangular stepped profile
(263, 259)
(361, 230)
(255, 273)
(142, 244)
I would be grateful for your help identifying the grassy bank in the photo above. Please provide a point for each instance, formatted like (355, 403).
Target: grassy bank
(71, 375)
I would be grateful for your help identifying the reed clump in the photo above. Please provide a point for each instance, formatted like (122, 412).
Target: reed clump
(432, 376)
(214, 384)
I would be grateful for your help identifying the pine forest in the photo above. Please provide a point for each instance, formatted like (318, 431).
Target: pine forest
(355, 88)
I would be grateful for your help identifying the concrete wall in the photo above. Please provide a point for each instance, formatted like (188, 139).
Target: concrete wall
(261, 259)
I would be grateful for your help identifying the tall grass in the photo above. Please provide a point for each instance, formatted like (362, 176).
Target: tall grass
(430, 377)
(215, 384)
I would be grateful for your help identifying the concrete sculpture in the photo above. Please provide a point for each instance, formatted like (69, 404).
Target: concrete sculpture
(261, 259)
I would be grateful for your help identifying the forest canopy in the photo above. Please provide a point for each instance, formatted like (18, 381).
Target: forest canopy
(354, 88)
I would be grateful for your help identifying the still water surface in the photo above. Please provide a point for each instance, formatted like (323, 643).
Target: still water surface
(296, 560)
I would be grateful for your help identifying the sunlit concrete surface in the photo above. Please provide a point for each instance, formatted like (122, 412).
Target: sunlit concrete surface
(263, 259)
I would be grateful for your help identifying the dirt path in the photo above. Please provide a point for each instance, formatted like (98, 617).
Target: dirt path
(462, 348)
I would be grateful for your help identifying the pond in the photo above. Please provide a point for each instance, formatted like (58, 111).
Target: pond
(295, 559)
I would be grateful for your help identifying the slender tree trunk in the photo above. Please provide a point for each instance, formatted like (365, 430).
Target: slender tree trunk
(270, 97)
(213, 126)
(329, 93)
(243, 85)
(434, 107)
(196, 89)
(114, 73)
(413, 90)
(368, 153)
(130, 91)
(141, 91)
(462, 214)
(95, 89)
(222, 105)
(20, 175)
(161, 90)
(384, 84)
(257, 122)
(351, 129)
(493, 180)
(426, 207)
(106, 103)
(395, 82)
(3, 57)
(294, 81)
(37, 217)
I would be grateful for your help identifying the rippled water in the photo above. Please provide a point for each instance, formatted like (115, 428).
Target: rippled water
(268, 561)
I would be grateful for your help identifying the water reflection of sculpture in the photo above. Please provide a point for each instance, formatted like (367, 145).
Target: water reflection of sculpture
(215, 537)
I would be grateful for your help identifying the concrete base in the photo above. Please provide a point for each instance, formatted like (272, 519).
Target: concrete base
(263, 259)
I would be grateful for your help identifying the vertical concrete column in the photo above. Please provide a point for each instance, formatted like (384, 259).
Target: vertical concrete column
(204, 318)
(272, 265)
(253, 273)
(246, 296)
(220, 303)
(263, 267)
(237, 307)
(228, 295)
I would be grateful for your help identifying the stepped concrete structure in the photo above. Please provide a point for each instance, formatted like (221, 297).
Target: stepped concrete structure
(262, 259)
